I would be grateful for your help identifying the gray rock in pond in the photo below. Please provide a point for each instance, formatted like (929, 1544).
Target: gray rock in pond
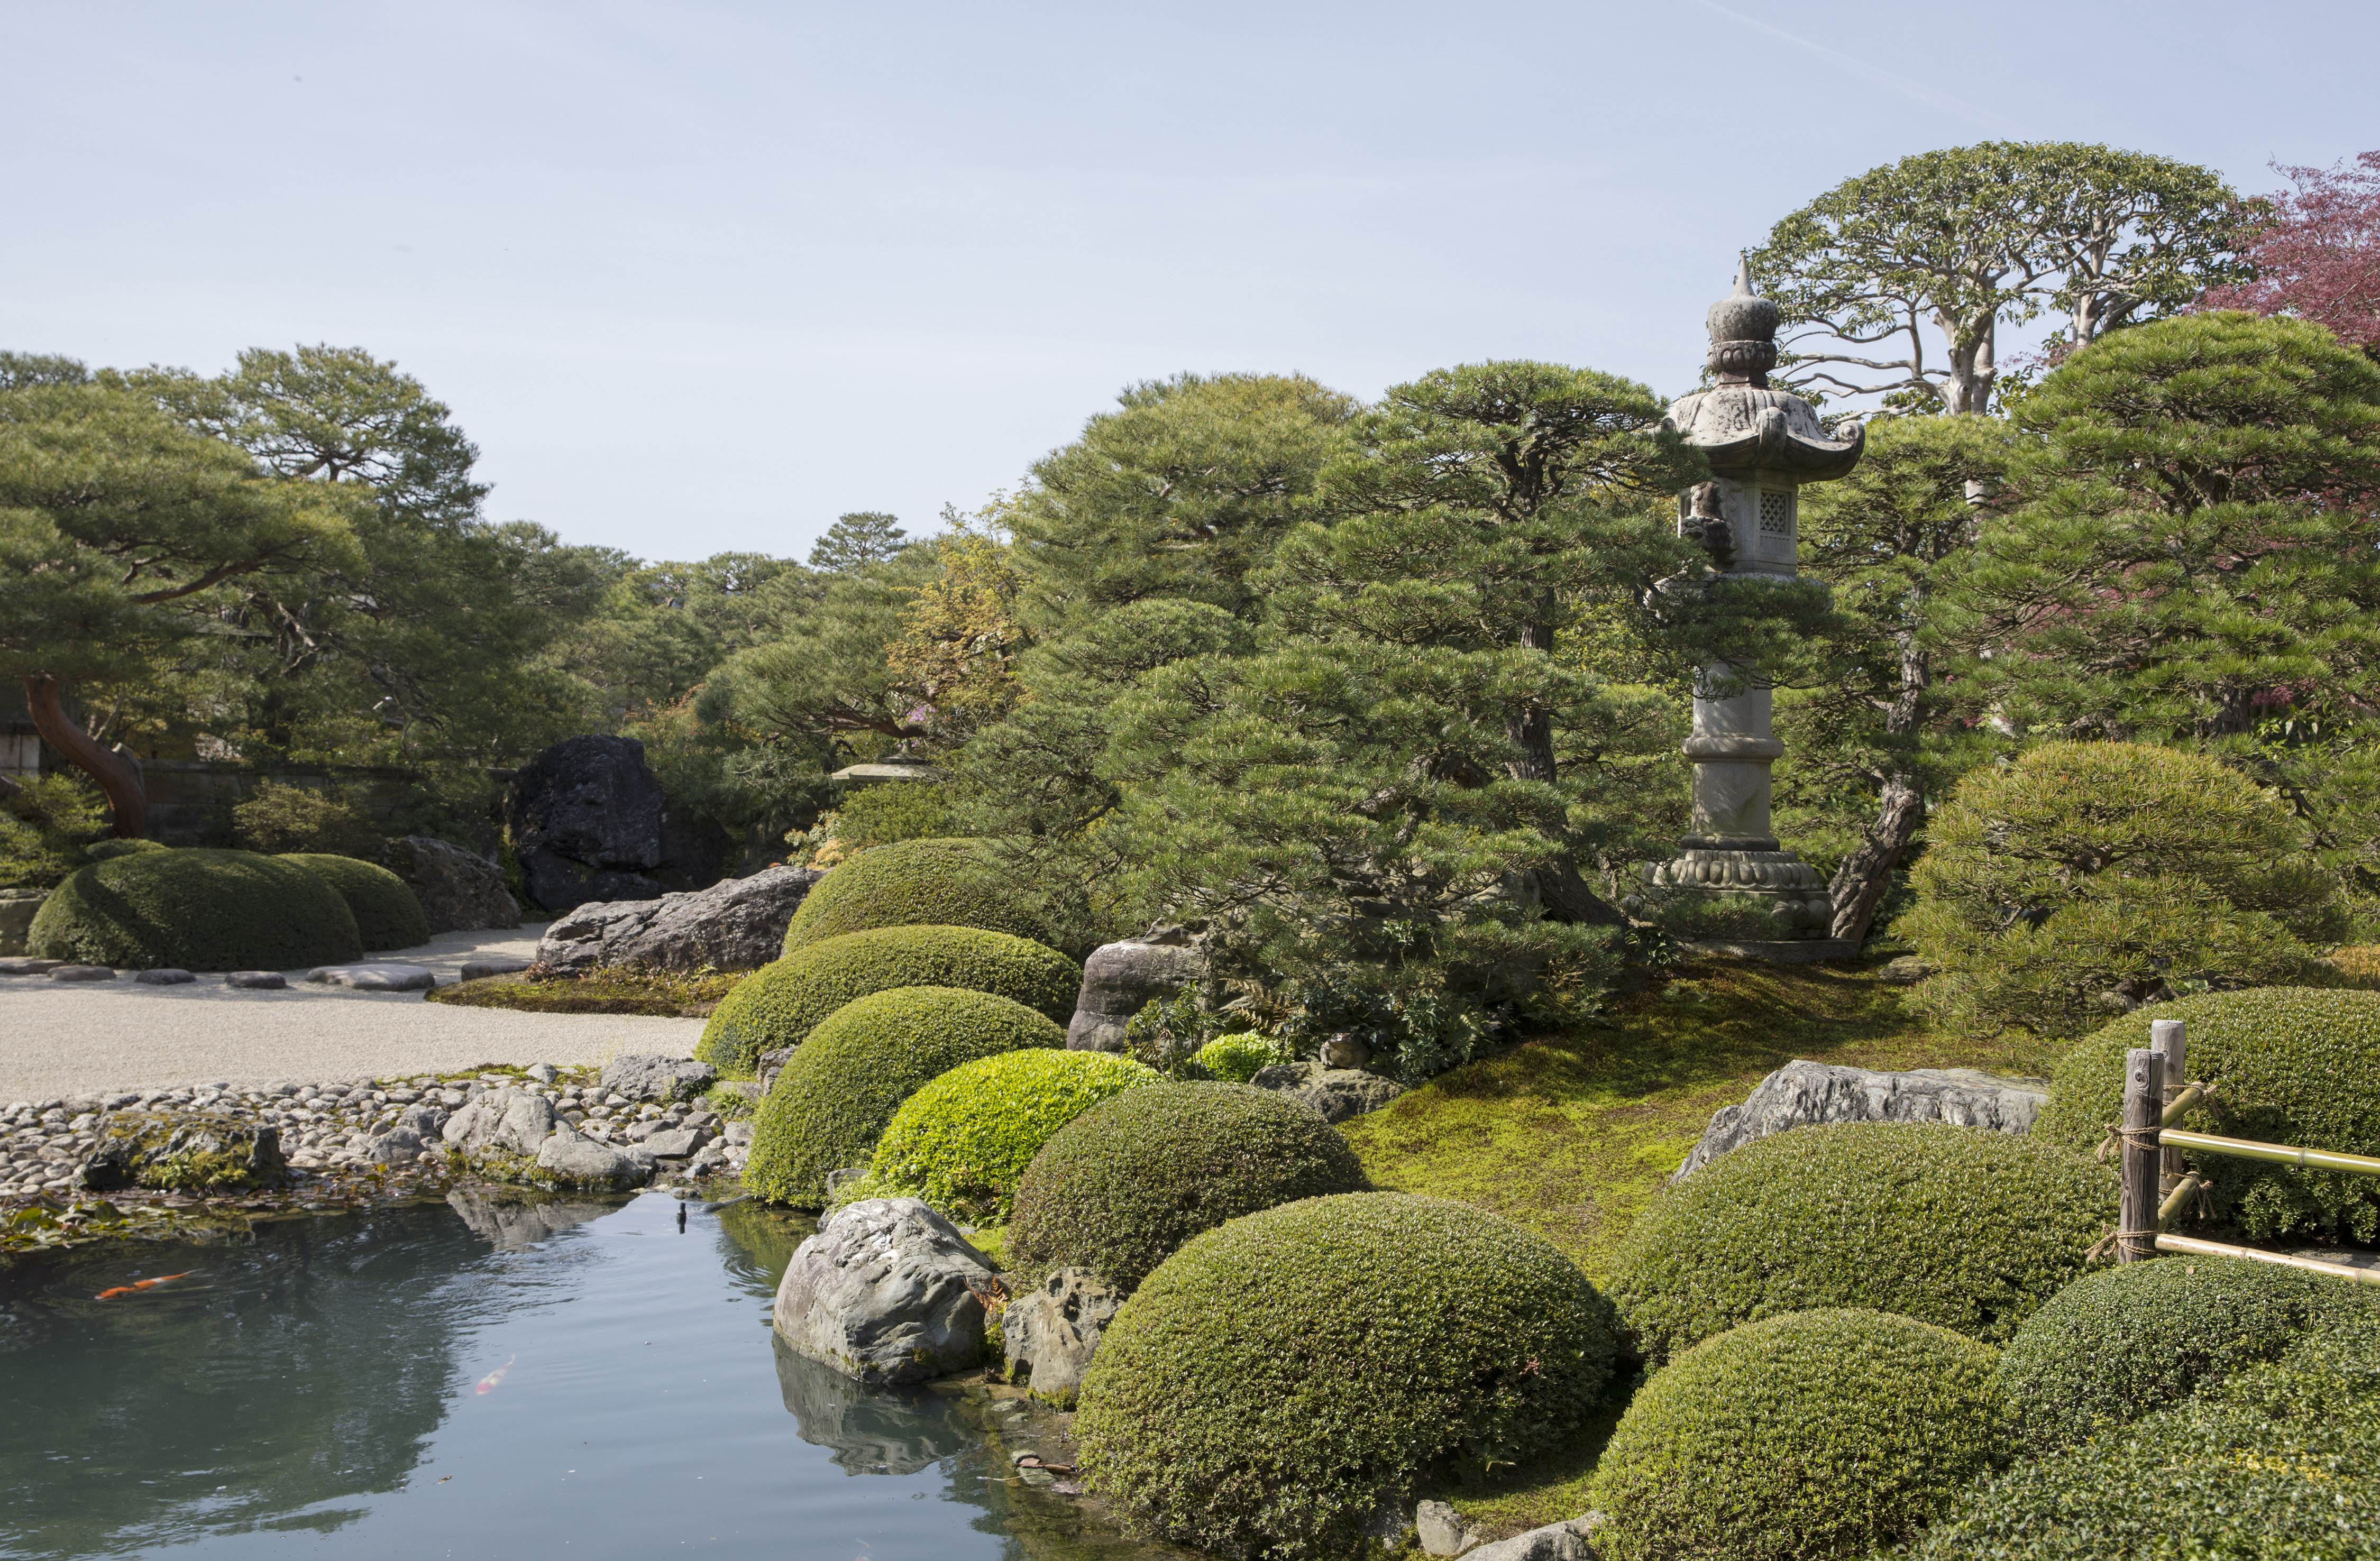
(1052, 1334)
(1336, 1094)
(375, 976)
(257, 980)
(582, 1162)
(81, 972)
(1571, 1541)
(1118, 981)
(888, 1291)
(165, 976)
(400, 1145)
(29, 967)
(1805, 1094)
(479, 970)
(509, 1121)
(735, 924)
(459, 891)
(648, 1076)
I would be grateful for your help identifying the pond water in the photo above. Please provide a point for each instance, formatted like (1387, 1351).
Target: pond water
(485, 1379)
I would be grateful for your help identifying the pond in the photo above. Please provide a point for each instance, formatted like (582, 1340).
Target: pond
(485, 1378)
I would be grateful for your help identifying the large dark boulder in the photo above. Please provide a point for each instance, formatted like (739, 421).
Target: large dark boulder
(590, 822)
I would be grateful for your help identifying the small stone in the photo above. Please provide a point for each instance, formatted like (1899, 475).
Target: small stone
(165, 976)
(257, 980)
(399, 1146)
(29, 967)
(1906, 971)
(676, 1144)
(1443, 1531)
(376, 977)
(544, 1072)
(479, 970)
(82, 973)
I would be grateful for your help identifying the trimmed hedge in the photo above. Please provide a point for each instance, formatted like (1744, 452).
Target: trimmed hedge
(1237, 1059)
(961, 1142)
(200, 909)
(1277, 1381)
(108, 851)
(1818, 1434)
(2296, 1065)
(781, 1002)
(836, 1093)
(2125, 1342)
(934, 882)
(387, 912)
(1965, 1228)
(1124, 1184)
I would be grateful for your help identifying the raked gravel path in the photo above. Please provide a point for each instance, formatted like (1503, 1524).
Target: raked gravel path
(63, 1038)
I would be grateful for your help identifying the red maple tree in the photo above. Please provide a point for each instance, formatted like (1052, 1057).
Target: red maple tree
(2318, 257)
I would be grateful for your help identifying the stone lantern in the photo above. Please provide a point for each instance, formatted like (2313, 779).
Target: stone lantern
(1762, 444)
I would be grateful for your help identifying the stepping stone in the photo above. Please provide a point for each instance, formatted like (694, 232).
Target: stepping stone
(82, 973)
(479, 970)
(29, 967)
(376, 977)
(258, 980)
(164, 977)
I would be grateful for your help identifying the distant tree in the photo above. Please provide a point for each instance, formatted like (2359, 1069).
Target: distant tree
(857, 541)
(2318, 257)
(1967, 240)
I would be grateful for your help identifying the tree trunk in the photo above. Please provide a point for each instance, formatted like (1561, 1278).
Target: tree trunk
(1568, 898)
(1866, 876)
(117, 774)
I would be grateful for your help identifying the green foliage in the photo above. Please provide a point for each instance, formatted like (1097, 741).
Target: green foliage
(1237, 1059)
(281, 819)
(962, 1141)
(1968, 1229)
(2292, 1065)
(925, 882)
(45, 826)
(1125, 1184)
(2128, 1341)
(198, 910)
(857, 541)
(781, 1002)
(836, 1093)
(871, 816)
(109, 849)
(1816, 1434)
(1282, 1377)
(388, 914)
(2091, 877)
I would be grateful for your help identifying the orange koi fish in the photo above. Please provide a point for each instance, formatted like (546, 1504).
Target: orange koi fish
(488, 1384)
(138, 1284)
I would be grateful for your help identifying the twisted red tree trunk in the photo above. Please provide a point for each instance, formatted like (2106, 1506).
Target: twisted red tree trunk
(118, 776)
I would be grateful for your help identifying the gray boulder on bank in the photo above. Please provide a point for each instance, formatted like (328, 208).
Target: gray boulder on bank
(888, 1291)
(1050, 1335)
(575, 1158)
(1118, 981)
(1335, 1093)
(735, 924)
(1805, 1094)
(1573, 1540)
(644, 1076)
(459, 891)
(511, 1121)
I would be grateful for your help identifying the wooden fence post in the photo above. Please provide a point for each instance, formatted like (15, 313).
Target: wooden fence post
(2169, 1037)
(2143, 1104)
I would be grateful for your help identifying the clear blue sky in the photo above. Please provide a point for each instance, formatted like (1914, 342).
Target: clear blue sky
(701, 276)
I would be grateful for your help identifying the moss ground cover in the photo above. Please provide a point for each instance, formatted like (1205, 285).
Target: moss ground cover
(606, 989)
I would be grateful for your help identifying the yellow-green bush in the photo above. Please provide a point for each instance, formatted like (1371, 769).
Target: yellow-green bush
(961, 1142)
(1237, 1059)
(915, 883)
(388, 914)
(199, 909)
(281, 819)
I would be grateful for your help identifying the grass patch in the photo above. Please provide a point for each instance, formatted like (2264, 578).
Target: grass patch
(664, 994)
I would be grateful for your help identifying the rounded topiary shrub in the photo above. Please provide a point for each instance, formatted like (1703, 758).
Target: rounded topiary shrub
(1959, 1226)
(388, 914)
(1817, 1434)
(961, 1142)
(199, 909)
(781, 1002)
(1283, 1377)
(2124, 1342)
(1237, 1059)
(836, 1093)
(108, 851)
(2294, 1065)
(1121, 1186)
(915, 883)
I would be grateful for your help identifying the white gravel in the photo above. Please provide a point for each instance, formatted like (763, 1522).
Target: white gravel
(60, 1038)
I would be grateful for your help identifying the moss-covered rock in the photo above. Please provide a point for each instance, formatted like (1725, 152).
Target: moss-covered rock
(962, 1141)
(1968, 1229)
(941, 882)
(2125, 1342)
(1284, 1376)
(837, 1093)
(387, 914)
(1121, 1186)
(2295, 1065)
(184, 1152)
(779, 1004)
(1834, 1433)
(199, 910)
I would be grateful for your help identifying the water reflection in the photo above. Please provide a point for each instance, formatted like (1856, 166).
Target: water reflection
(870, 1431)
(511, 1220)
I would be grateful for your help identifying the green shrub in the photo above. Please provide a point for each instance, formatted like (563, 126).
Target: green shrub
(1237, 1059)
(1965, 1228)
(44, 826)
(962, 1141)
(782, 1001)
(2280, 1463)
(1282, 1377)
(199, 909)
(2124, 1342)
(2294, 1065)
(835, 1095)
(1817, 1434)
(282, 819)
(108, 851)
(887, 813)
(915, 883)
(388, 914)
(2089, 876)
(1125, 1184)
